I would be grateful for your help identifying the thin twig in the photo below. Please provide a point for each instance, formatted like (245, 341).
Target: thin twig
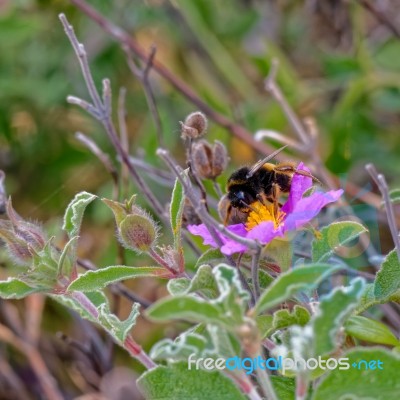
(380, 181)
(127, 40)
(380, 16)
(104, 110)
(143, 75)
(123, 132)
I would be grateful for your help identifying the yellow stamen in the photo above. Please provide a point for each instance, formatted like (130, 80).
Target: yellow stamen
(263, 212)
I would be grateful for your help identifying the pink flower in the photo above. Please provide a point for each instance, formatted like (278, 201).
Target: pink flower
(263, 225)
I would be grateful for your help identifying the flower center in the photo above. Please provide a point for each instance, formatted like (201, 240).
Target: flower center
(263, 212)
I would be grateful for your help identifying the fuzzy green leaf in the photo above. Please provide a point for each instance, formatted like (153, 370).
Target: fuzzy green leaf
(100, 278)
(369, 330)
(210, 257)
(332, 312)
(176, 212)
(284, 318)
(178, 286)
(387, 280)
(284, 387)
(181, 348)
(74, 213)
(118, 329)
(185, 307)
(177, 382)
(293, 281)
(203, 281)
(13, 288)
(73, 219)
(359, 383)
(333, 236)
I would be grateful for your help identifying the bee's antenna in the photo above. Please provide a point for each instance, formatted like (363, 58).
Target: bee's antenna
(260, 163)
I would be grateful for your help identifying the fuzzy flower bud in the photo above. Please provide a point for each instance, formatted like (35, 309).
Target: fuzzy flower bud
(209, 161)
(21, 237)
(16, 246)
(195, 126)
(136, 229)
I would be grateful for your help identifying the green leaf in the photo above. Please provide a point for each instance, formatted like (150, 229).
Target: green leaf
(293, 281)
(178, 286)
(100, 278)
(74, 213)
(73, 218)
(387, 280)
(281, 251)
(64, 264)
(395, 196)
(185, 307)
(284, 318)
(176, 212)
(369, 330)
(210, 257)
(203, 281)
(177, 382)
(233, 297)
(284, 387)
(359, 383)
(367, 299)
(333, 236)
(117, 328)
(332, 312)
(227, 309)
(181, 348)
(13, 288)
(224, 344)
(264, 324)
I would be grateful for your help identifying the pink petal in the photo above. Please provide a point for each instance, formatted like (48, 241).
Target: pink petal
(299, 185)
(307, 208)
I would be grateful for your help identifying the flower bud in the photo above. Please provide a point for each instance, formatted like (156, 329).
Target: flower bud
(195, 126)
(209, 162)
(29, 232)
(17, 248)
(136, 230)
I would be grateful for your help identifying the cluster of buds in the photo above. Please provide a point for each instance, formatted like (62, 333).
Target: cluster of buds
(208, 160)
(23, 239)
(136, 230)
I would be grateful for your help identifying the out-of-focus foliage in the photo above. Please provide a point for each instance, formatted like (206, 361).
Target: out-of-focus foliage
(337, 64)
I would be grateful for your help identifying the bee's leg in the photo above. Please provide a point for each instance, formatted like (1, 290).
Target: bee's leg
(305, 173)
(228, 214)
(262, 198)
(291, 168)
(275, 197)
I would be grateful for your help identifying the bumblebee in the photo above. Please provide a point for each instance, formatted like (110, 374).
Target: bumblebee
(262, 182)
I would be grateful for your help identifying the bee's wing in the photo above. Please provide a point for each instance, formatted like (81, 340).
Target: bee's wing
(260, 163)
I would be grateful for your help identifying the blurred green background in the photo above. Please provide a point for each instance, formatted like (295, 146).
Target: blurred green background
(338, 63)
